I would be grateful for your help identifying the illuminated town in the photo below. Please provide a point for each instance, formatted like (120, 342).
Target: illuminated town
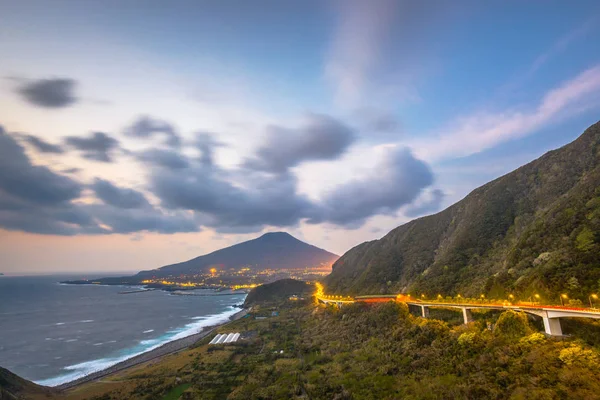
(242, 279)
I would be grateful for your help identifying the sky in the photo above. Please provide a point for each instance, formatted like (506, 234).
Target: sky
(135, 134)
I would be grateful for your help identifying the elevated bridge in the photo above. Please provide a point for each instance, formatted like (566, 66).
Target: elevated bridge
(550, 314)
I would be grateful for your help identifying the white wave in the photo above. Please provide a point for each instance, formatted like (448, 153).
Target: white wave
(60, 323)
(85, 368)
(97, 344)
(86, 321)
(70, 340)
(148, 331)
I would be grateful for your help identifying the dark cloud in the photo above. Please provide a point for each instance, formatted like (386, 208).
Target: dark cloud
(164, 158)
(35, 199)
(42, 146)
(227, 206)
(396, 182)
(49, 93)
(137, 220)
(206, 143)
(428, 205)
(98, 146)
(35, 184)
(248, 201)
(118, 197)
(321, 138)
(145, 127)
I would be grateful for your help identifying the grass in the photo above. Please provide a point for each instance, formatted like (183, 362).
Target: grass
(176, 392)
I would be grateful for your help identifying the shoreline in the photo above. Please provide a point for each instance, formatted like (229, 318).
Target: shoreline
(166, 349)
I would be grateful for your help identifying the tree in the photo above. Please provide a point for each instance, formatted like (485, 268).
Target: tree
(573, 284)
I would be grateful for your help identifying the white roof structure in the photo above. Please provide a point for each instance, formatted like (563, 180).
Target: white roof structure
(223, 338)
(229, 337)
(215, 339)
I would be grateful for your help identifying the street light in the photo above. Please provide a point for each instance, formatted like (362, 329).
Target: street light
(423, 296)
(563, 297)
(592, 296)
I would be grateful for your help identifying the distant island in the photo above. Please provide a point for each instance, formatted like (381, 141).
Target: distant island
(243, 266)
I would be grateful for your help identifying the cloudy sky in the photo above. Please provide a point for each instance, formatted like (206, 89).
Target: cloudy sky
(139, 133)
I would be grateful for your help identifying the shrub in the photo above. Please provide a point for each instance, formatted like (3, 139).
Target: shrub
(512, 325)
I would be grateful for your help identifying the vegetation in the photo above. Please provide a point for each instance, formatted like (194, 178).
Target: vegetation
(12, 387)
(277, 291)
(368, 352)
(533, 231)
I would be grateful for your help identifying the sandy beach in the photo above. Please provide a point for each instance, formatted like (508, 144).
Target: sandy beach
(167, 348)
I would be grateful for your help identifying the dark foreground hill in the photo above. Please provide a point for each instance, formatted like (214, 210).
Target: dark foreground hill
(272, 250)
(13, 387)
(534, 230)
(278, 291)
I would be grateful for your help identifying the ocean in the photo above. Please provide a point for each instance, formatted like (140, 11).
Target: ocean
(52, 333)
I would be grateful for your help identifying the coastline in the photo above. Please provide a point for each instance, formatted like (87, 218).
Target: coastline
(166, 349)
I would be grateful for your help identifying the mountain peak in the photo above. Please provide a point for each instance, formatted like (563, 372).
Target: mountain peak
(277, 235)
(271, 250)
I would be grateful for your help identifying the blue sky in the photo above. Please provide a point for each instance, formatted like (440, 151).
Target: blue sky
(182, 127)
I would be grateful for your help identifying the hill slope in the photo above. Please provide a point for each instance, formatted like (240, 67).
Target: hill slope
(14, 387)
(271, 250)
(278, 291)
(534, 230)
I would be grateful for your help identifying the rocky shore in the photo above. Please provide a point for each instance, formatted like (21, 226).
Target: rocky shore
(167, 348)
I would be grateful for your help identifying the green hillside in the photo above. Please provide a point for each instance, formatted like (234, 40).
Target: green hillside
(535, 230)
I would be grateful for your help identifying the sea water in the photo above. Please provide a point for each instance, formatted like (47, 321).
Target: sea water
(52, 333)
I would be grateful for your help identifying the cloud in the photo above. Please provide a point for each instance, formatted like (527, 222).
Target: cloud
(33, 198)
(128, 220)
(36, 184)
(164, 158)
(320, 138)
(380, 121)
(37, 200)
(42, 146)
(395, 182)
(480, 131)
(49, 93)
(430, 203)
(206, 143)
(118, 197)
(223, 205)
(361, 29)
(98, 146)
(146, 127)
(244, 201)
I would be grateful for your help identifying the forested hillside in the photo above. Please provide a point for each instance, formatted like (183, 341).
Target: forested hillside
(535, 230)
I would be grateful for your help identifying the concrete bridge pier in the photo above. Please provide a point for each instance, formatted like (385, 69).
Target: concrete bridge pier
(467, 316)
(552, 326)
(424, 311)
